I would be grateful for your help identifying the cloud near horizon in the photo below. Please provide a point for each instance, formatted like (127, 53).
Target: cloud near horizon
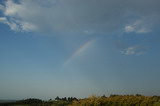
(82, 16)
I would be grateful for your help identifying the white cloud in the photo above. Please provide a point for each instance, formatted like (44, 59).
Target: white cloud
(28, 26)
(138, 27)
(85, 16)
(2, 19)
(17, 25)
(12, 8)
(134, 50)
(13, 26)
(129, 28)
(143, 30)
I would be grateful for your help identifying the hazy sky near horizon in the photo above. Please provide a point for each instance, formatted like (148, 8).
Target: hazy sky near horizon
(52, 48)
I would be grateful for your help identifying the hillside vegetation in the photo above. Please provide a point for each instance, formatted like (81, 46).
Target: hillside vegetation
(112, 100)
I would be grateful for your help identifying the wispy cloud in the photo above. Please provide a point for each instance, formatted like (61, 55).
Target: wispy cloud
(12, 25)
(2, 7)
(80, 50)
(18, 25)
(134, 50)
(138, 27)
(131, 49)
(85, 16)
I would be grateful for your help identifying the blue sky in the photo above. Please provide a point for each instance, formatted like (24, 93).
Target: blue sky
(79, 48)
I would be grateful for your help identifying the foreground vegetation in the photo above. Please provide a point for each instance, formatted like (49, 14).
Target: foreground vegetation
(112, 100)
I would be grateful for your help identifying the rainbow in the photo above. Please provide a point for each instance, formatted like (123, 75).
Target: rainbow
(79, 51)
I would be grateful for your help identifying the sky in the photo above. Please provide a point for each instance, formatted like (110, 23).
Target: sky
(79, 48)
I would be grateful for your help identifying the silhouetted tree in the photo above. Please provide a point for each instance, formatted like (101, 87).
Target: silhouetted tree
(104, 96)
(57, 98)
(64, 99)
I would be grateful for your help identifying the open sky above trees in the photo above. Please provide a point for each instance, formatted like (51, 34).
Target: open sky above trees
(77, 48)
